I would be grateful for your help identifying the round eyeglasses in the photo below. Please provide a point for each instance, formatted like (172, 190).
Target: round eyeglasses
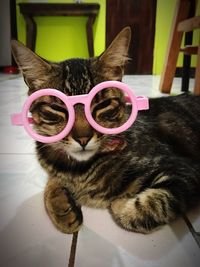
(105, 106)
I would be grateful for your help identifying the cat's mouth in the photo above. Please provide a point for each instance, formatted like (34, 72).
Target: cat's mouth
(82, 154)
(83, 150)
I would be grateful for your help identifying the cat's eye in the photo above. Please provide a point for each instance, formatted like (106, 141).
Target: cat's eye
(110, 107)
(49, 115)
(53, 113)
(110, 114)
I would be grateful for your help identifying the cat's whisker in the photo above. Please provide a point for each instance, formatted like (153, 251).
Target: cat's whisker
(41, 147)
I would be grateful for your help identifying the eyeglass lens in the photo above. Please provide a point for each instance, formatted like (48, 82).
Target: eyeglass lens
(109, 108)
(49, 115)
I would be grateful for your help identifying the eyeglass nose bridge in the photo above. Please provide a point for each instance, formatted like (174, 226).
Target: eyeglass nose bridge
(85, 100)
(78, 99)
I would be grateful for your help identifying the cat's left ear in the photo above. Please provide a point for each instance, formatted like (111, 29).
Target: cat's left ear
(36, 71)
(111, 63)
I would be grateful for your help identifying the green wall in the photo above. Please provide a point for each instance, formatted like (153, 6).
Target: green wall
(59, 38)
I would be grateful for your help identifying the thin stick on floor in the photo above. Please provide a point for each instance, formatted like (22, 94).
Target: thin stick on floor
(195, 234)
(73, 250)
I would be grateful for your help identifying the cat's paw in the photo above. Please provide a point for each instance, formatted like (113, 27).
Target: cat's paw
(64, 213)
(136, 214)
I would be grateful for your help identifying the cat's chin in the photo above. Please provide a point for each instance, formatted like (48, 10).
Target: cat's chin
(76, 152)
(82, 155)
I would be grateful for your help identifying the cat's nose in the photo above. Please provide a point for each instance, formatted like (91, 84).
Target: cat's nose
(83, 141)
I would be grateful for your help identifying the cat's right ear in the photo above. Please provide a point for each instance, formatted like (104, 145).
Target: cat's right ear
(33, 68)
(111, 63)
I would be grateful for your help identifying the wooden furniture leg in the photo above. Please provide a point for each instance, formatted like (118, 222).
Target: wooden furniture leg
(181, 13)
(186, 64)
(197, 74)
(188, 26)
(31, 31)
(90, 38)
(187, 57)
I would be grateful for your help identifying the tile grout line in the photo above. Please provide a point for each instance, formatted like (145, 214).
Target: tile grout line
(195, 234)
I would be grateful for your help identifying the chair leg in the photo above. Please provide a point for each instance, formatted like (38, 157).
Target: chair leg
(186, 64)
(187, 58)
(181, 13)
(197, 75)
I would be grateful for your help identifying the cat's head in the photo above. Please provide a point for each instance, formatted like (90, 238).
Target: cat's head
(73, 76)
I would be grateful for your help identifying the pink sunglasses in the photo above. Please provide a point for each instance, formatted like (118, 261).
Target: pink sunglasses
(138, 103)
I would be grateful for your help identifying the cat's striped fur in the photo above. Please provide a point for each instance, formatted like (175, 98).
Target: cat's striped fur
(146, 176)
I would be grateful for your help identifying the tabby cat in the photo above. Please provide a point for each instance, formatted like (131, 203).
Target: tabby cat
(145, 176)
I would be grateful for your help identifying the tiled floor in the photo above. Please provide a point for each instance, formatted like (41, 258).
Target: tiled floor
(27, 237)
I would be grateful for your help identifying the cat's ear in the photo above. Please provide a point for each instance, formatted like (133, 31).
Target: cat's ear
(35, 70)
(113, 60)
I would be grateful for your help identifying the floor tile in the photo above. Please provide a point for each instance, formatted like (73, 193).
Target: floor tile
(194, 218)
(172, 245)
(29, 239)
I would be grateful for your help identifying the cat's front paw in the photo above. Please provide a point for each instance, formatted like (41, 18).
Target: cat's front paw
(64, 213)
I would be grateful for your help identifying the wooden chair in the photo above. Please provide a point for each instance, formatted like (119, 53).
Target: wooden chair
(181, 24)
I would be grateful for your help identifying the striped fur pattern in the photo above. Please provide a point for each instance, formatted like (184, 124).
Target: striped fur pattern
(146, 177)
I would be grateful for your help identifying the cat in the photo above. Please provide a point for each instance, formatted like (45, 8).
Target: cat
(146, 176)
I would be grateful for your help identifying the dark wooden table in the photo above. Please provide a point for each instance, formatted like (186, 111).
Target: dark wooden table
(30, 10)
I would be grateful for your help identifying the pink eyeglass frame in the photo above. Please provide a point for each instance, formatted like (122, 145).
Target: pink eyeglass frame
(139, 103)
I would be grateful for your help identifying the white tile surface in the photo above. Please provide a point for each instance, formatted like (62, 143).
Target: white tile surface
(27, 237)
(194, 218)
(149, 85)
(170, 246)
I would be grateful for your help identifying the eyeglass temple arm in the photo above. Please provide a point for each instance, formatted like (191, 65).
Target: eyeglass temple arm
(16, 119)
(142, 102)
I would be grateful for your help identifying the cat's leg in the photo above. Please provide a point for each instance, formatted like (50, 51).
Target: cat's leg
(145, 212)
(171, 193)
(65, 214)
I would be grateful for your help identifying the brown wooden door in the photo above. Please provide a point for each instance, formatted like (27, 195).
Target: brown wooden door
(140, 16)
